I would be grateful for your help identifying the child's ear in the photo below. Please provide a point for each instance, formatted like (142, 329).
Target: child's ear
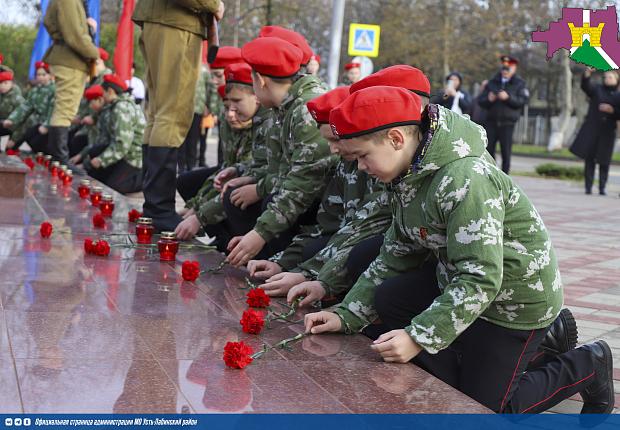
(261, 80)
(396, 138)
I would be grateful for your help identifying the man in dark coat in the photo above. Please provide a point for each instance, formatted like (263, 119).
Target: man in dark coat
(504, 97)
(596, 138)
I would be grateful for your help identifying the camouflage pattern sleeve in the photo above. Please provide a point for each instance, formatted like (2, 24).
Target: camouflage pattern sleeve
(397, 256)
(292, 255)
(24, 110)
(474, 254)
(121, 126)
(47, 105)
(329, 265)
(310, 161)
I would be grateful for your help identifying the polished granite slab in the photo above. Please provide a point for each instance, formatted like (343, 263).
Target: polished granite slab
(126, 334)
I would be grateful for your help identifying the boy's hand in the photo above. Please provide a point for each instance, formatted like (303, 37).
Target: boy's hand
(322, 322)
(313, 290)
(263, 269)
(75, 159)
(88, 120)
(237, 182)
(186, 213)
(187, 228)
(7, 123)
(223, 177)
(396, 346)
(43, 130)
(244, 196)
(280, 284)
(95, 162)
(244, 248)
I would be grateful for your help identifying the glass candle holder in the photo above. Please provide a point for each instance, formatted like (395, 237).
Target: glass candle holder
(106, 205)
(62, 172)
(54, 168)
(40, 158)
(47, 160)
(167, 246)
(95, 195)
(84, 189)
(144, 230)
(67, 177)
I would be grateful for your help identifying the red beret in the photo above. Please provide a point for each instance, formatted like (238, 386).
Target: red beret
(321, 106)
(221, 90)
(402, 76)
(6, 75)
(103, 54)
(350, 66)
(373, 109)
(115, 81)
(316, 57)
(93, 92)
(240, 73)
(226, 55)
(273, 57)
(508, 59)
(290, 36)
(42, 65)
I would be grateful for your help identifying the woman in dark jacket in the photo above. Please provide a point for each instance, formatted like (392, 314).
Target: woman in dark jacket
(453, 96)
(595, 141)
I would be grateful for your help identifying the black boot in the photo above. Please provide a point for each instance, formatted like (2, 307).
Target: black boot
(58, 148)
(159, 186)
(598, 397)
(560, 338)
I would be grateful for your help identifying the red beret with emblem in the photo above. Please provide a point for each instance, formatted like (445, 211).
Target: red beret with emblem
(273, 57)
(290, 36)
(402, 76)
(350, 66)
(321, 106)
(226, 55)
(239, 73)
(93, 92)
(115, 82)
(42, 65)
(373, 109)
(103, 54)
(6, 75)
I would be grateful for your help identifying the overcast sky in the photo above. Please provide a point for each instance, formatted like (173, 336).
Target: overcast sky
(12, 13)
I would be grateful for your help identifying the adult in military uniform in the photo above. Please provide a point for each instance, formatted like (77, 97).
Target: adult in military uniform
(171, 43)
(504, 97)
(70, 57)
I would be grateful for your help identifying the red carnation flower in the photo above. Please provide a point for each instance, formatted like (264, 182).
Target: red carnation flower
(252, 321)
(28, 162)
(257, 298)
(99, 221)
(12, 152)
(89, 247)
(190, 270)
(46, 229)
(102, 248)
(133, 215)
(237, 355)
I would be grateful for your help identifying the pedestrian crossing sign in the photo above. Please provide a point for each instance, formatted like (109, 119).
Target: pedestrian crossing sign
(364, 40)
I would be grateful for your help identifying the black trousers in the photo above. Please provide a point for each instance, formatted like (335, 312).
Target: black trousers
(487, 362)
(189, 183)
(120, 176)
(35, 140)
(4, 131)
(203, 148)
(241, 221)
(502, 132)
(603, 174)
(361, 256)
(314, 246)
(187, 151)
(77, 144)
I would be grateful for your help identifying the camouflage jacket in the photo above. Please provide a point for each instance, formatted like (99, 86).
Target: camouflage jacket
(102, 119)
(213, 101)
(10, 101)
(84, 110)
(366, 207)
(298, 157)
(495, 256)
(37, 108)
(236, 145)
(123, 132)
